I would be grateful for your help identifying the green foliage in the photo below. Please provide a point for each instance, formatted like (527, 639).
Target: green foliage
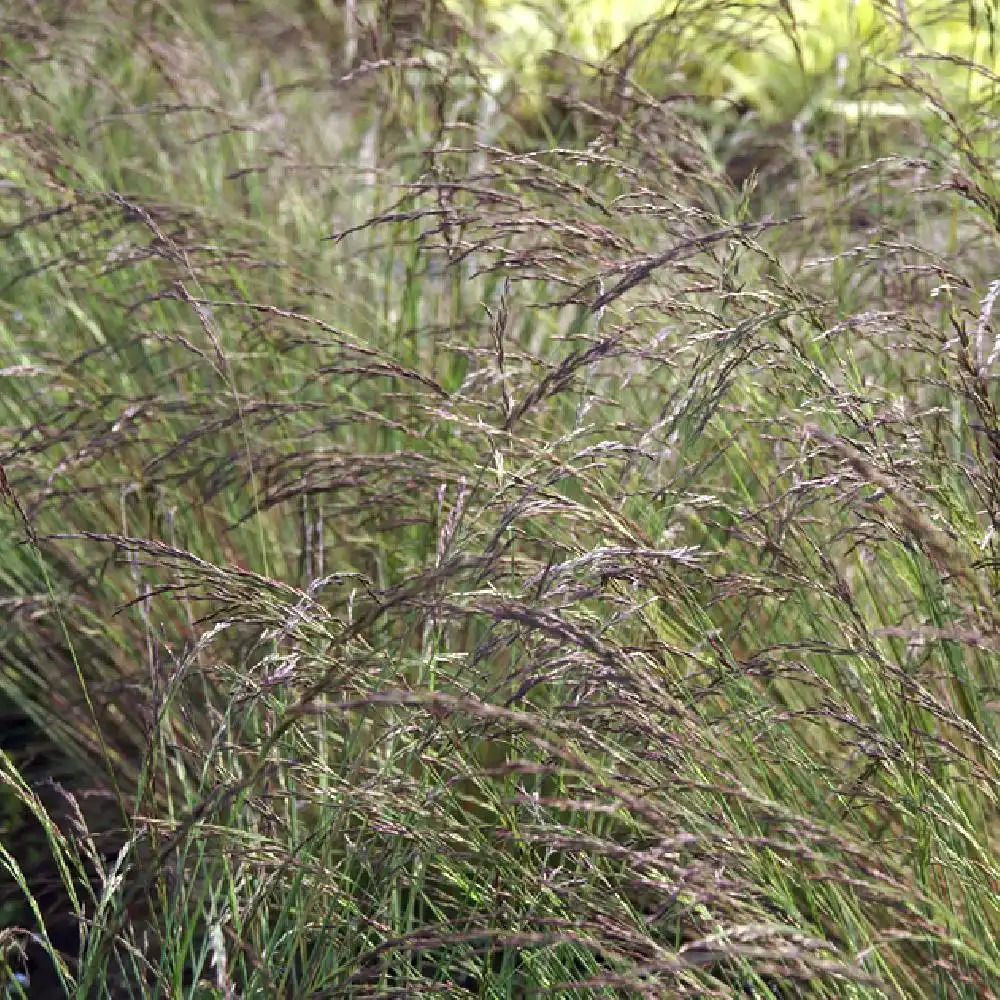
(444, 559)
(786, 60)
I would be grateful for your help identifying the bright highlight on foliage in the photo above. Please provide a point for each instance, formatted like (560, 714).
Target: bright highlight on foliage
(794, 49)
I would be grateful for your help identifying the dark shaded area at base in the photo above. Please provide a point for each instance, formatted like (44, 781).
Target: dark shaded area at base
(40, 762)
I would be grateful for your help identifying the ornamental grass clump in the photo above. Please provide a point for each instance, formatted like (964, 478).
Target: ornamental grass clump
(455, 554)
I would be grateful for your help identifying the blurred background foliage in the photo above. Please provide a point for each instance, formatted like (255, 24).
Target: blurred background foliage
(781, 57)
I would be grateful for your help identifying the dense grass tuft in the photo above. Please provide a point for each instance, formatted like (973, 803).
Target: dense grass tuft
(467, 540)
